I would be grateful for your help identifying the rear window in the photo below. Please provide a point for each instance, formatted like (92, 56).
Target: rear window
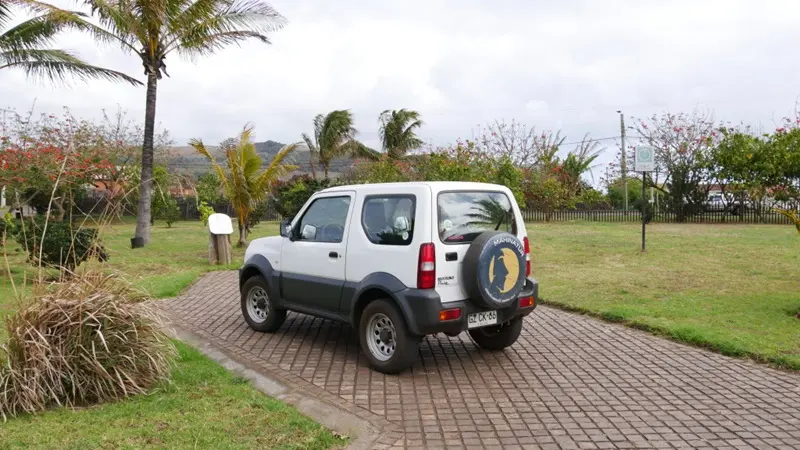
(465, 215)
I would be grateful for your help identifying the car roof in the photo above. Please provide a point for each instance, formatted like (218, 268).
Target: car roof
(435, 186)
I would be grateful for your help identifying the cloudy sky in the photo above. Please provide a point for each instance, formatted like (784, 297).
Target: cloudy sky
(565, 65)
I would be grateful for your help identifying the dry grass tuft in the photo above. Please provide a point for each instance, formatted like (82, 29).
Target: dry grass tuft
(85, 340)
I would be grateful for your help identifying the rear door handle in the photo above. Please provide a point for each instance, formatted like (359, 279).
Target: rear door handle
(333, 255)
(452, 256)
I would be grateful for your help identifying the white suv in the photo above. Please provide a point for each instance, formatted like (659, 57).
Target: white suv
(397, 261)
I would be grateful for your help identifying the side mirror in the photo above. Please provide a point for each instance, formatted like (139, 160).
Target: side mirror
(309, 232)
(286, 228)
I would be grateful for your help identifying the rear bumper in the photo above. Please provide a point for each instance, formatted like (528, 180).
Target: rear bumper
(421, 309)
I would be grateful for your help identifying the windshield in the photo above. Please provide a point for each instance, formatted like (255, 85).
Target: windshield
(465, 215)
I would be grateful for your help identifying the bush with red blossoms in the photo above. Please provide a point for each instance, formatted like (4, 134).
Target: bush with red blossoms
(50, 157)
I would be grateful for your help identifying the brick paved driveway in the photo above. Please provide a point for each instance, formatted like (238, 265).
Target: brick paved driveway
(569, 382)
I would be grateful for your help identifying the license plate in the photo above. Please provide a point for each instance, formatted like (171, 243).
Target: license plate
(481, 319)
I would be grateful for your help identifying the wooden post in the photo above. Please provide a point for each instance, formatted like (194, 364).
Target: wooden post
(219, 239)
(219, 249)
(212, 249)
(224, 249)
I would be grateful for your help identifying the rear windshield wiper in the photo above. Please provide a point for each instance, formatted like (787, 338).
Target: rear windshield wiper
(503, 217)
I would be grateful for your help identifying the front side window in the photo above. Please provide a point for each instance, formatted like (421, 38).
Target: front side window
(324, 220)
(462, 216)
(389, 220)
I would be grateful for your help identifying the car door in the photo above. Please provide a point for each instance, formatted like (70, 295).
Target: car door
(313, 259)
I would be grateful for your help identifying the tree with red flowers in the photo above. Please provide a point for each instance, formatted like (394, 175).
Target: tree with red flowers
(48, 161)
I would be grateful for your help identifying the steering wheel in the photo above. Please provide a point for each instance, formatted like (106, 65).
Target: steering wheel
(332, 232)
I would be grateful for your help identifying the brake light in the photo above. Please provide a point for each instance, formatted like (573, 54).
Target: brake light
(526, 302)
(527, 245)
(426, 271)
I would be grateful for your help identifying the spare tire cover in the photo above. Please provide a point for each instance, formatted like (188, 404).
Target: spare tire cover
(494, 269)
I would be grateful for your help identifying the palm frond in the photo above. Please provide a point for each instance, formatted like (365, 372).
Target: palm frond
(212, 25)
(57, 64)
(281, 165)
(5, 12)
(76, 20)
(198, 145)
(30, 34)
(356, 149)
(398, 132)
(335, 132)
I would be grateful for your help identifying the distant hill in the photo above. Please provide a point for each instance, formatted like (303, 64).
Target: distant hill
(186, 159)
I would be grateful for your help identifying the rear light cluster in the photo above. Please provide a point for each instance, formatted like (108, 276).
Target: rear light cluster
(527, 245)
(526, 302)
(426, 270)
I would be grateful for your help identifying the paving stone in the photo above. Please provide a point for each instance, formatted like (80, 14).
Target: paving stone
(569, 382)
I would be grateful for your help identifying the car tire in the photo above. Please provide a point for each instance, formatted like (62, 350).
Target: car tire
(259, 312)
(384, 337)
(497, 337)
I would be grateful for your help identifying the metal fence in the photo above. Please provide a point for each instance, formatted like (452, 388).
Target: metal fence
(659, 215)
(189, 211)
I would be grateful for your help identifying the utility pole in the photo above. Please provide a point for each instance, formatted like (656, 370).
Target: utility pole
(623, 162)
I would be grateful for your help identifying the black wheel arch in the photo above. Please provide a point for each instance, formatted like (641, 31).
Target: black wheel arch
(373, 287)
(259, 265)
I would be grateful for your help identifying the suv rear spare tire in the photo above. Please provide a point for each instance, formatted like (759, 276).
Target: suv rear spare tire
(494, 269)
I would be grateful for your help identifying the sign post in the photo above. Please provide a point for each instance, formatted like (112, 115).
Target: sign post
(220, 228)
(644, 161)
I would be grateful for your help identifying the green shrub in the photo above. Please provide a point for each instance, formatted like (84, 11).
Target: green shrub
(259, 212)
(205, 212)
(289, 196)
(7, 227)
(65, 245)
(166, 208)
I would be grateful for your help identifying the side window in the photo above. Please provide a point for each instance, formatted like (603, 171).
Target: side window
(324, 220)
(389, 219)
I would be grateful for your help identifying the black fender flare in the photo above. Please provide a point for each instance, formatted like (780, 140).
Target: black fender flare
(382, 281)
(259, 265)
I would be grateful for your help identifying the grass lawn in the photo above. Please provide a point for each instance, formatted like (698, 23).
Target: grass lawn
(176, 257)
(203, 407)
(731, 288)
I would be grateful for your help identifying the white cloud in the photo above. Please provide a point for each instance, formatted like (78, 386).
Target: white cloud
(462, 63)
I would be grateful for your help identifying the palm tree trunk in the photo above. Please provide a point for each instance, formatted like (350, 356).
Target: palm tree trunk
(311, 165)
(241, 212)
(146, 187)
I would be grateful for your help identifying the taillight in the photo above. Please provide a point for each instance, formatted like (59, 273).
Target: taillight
(527, 245)
(426, 271)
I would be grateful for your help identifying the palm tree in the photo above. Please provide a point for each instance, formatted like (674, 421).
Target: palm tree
(24, 46)
(242, 183)
(398, 132)
(334, 137)
(153, 29)
(578, 162)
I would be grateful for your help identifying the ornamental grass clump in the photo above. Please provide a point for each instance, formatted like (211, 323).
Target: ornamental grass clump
(89, 339)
